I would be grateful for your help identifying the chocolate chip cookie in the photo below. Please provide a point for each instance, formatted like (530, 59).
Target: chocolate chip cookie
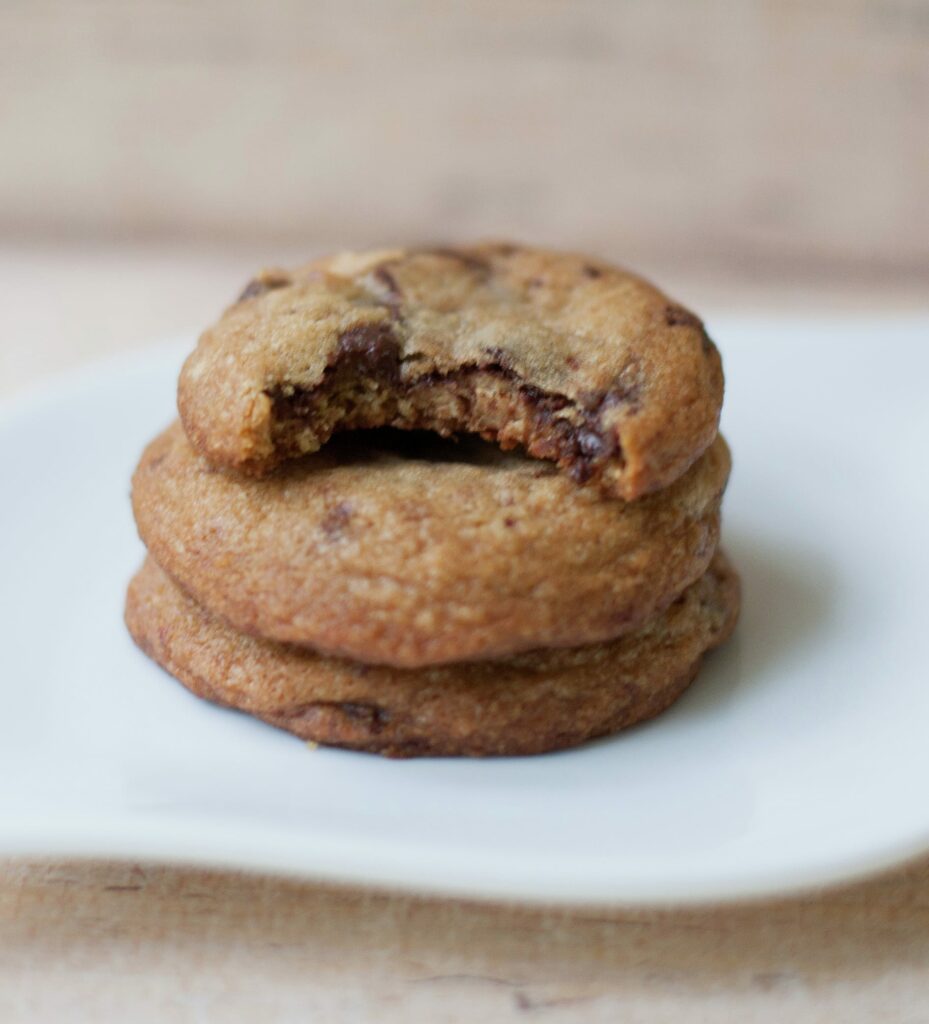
(404, 549)
(571, 359)
(529, 704)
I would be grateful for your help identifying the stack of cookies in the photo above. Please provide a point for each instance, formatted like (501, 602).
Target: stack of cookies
(440, 502)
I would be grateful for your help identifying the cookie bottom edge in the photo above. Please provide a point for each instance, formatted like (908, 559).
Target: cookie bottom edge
(546, 702)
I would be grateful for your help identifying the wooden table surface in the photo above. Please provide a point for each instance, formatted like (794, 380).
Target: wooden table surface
(141, 942)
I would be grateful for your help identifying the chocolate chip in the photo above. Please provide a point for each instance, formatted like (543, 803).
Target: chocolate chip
(509, 522)
(591, 444)
(552, 403)
(385, 278)
(371, 349)
(335, 520)
(293, 404)
(462, 256)
(625, 389)
(572, 363)
(622, 393)
(262, 285)
(580, 471)
(592, 272)
(677, 316)
(561, 429)
(499, 360)
(371, 715)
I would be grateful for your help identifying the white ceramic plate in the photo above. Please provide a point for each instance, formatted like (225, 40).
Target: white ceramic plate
(799, 757)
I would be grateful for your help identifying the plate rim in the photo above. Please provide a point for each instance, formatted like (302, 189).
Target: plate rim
(397, 868)
(393, 865)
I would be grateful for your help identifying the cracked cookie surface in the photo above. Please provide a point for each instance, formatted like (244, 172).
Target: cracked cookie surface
(571, 359)
(529, 704)
(403, 548)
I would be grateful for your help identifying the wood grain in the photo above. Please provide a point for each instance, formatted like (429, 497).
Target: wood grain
(758, 139)
(754, 155)
(90, 942)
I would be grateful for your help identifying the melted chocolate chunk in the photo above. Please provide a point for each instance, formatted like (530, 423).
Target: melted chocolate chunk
(625, 393)
(625, 389)
(591, 444)
(295, 405)
(263, 285)
(622, 392)
(547, 404)
(498, 359)
(366, 350)
(370, 349)
(577, 440)
(387, 280)
(677, 316)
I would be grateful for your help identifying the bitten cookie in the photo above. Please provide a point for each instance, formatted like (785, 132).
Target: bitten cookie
(575, 361)
(529, 704)
(405, 549)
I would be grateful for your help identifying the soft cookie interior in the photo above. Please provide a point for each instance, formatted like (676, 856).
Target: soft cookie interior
(367, 385)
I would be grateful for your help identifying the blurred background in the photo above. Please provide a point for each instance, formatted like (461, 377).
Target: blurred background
(756, 154)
